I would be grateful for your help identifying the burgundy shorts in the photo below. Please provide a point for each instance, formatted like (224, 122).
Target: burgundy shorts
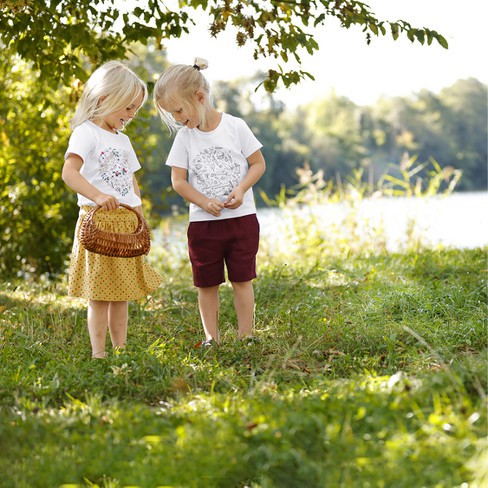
(212, 243)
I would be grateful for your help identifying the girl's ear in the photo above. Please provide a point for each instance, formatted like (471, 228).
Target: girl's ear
(101, 99)
(200, 96)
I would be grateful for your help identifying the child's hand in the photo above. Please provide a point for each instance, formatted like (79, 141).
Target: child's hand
(235, 198)
(107, 202)
(214, 207)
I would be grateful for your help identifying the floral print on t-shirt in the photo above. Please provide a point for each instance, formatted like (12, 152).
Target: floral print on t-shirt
(114, 170)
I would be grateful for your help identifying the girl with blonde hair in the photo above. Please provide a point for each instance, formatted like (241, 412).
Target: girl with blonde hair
(215, 160)
(99, 166)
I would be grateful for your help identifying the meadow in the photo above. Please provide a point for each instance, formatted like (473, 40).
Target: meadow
(370, 372)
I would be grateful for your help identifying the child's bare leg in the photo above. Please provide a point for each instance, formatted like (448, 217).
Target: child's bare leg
(97, 326)
(208, 303)
(118, 315)
(244, 306)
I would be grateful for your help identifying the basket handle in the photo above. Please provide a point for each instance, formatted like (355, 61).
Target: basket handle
(138, 215)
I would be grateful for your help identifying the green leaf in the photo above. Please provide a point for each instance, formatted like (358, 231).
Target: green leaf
(394, 30)
(319, 20)
(442, 41)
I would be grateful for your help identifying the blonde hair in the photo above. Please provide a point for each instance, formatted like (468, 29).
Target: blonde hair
(116, 84)
(177, 86)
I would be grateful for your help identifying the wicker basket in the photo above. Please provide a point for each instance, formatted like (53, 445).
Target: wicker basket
(118, 245)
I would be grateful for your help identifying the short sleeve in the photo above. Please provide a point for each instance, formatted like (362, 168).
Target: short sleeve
(249, 142)
(178, 155)
(81, 142)
(133, 159)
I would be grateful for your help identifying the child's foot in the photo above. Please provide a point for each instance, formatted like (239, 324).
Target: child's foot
(204, 344)
(99, 355)
(250, 340)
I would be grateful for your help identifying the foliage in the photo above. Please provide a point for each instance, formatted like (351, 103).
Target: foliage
(333, 134)
(414, 181)
(370, 372)
(435, 125)
(56, 35)
(35, 222)
(340, 134)
(337, 137)
(38, 211)
(468, 136)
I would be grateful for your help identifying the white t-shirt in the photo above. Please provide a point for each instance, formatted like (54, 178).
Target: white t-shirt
(109, 162)
(216, 162)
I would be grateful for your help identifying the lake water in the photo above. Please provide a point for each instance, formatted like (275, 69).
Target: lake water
(458, 220)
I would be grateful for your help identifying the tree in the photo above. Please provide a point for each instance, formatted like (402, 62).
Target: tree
(36, 223)
(56, 35)
(465, 124)
(334, 135)
(450, 126)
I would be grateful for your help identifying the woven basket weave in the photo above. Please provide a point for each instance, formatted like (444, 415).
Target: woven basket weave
(117, 245)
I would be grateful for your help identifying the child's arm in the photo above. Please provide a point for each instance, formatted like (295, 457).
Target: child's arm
(73, 178)
(137, 191)
(184, 189)
(257, 167)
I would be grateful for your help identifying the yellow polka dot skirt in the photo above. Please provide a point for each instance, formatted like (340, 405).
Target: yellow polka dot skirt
(96, 277)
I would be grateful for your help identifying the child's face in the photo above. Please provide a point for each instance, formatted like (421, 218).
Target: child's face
(185, 114)
(118, 120)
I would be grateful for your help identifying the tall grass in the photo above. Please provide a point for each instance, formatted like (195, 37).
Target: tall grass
(371, 371)
(326, 217)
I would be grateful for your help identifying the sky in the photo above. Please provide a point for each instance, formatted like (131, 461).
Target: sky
(346, 65)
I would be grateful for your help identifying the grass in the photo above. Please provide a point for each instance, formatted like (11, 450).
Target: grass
(371, 371)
